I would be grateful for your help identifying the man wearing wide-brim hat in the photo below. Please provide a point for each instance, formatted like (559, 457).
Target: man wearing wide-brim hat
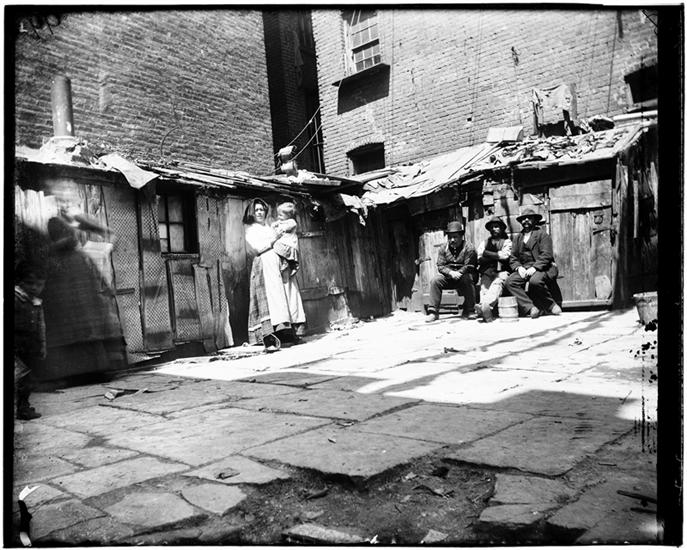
(532, 262)
(493, 255)
(457, 264)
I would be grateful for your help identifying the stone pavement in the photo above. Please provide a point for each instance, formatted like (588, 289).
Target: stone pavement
(562, 409)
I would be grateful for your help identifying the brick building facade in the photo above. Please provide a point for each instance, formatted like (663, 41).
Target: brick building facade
(292, 73)
(173, 85)
(444, 77)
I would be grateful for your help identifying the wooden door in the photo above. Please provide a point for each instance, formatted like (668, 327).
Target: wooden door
(580, 217)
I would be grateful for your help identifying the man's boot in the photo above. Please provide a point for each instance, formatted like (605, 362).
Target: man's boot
(24, 409)
(431, 317)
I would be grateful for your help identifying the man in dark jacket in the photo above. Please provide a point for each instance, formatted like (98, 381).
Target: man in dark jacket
(532, 264)
(457, 264)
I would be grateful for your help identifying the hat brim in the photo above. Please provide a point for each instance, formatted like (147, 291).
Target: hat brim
(461, 232)
(537, 217)
(500, 223)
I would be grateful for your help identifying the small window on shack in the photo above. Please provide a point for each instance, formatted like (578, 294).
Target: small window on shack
(367, 158)
(176, 222)
(362, 40)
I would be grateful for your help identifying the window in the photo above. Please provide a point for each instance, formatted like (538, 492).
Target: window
(363, 40)
(643, 85)
(176, 223)
(367, 158)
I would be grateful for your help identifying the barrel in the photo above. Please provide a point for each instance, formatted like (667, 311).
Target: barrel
(508, 308)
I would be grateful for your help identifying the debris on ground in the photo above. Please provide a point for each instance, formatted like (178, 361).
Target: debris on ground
(312, 532)
(113, 394)
(438, 492)
(433, 537)
(313, 494)
(311, 515)
(226, 474)
(440, 471)
(576, 342)
(409, 476)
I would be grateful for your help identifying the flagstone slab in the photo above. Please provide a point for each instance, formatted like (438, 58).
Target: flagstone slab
(192, 395)
(101, 531)
(319, 534)
(102, 420)
(341, 451)
(43, 495)
(327, 403)
(562, 399)
(441, 424)
(29, 468)
(98, 481)
(53, 517)
(212, 435)
(513, 489)
(218, 499)
(512, 516)
(541, 445)
(346, 383)
(235, 470)
(153, 510)
(38, 438)
(289, 378)
(94, 456)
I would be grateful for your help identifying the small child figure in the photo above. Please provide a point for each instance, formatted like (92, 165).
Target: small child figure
(29, 335)
(286, 246)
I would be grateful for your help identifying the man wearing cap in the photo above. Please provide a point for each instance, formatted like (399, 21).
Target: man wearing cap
(456, 263)
(532, 262)
(493, 255)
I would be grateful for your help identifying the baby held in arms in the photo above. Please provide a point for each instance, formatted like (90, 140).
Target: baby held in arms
(286, 246)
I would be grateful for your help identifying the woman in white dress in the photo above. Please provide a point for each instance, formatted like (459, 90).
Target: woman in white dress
(275, 302)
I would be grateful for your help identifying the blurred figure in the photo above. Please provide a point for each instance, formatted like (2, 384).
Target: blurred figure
(82, 325)
(29, 334)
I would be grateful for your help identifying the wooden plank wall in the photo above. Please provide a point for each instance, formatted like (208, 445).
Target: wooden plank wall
(235, 267)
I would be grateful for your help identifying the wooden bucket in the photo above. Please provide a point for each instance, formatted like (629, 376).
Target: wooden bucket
(508, 308)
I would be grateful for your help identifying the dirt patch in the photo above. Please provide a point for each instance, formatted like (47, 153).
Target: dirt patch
(400, 508)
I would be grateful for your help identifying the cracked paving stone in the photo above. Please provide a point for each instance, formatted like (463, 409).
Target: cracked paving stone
(188, 439)
(542, 445)
(442, 424)
(218, 499)
(234, 470)
(103, 479)
(339, 451)
(511, 516)
(28, 468)
(513, 489)
(37, 438)
(102, 531)
(103, 420)
(151, 509)
(328, 404)
(92, 457)
(288, 378)
(53, 517)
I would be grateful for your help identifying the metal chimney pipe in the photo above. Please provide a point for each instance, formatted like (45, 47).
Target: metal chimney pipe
(62, 116)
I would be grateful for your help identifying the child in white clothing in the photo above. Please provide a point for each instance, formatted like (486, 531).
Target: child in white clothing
(286, 246)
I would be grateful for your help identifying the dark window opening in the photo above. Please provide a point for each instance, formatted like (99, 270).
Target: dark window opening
(643, 84)
(368, 158)
(177, 223)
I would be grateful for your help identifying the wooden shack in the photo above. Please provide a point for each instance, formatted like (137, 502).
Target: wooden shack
(597, 193)
(176, 259)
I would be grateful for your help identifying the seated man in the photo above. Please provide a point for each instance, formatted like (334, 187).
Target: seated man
(532, 262)
(493, 255)
(456, 263)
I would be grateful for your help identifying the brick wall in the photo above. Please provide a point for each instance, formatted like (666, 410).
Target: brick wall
(453, 74)
(187, 85)
(289, 83)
